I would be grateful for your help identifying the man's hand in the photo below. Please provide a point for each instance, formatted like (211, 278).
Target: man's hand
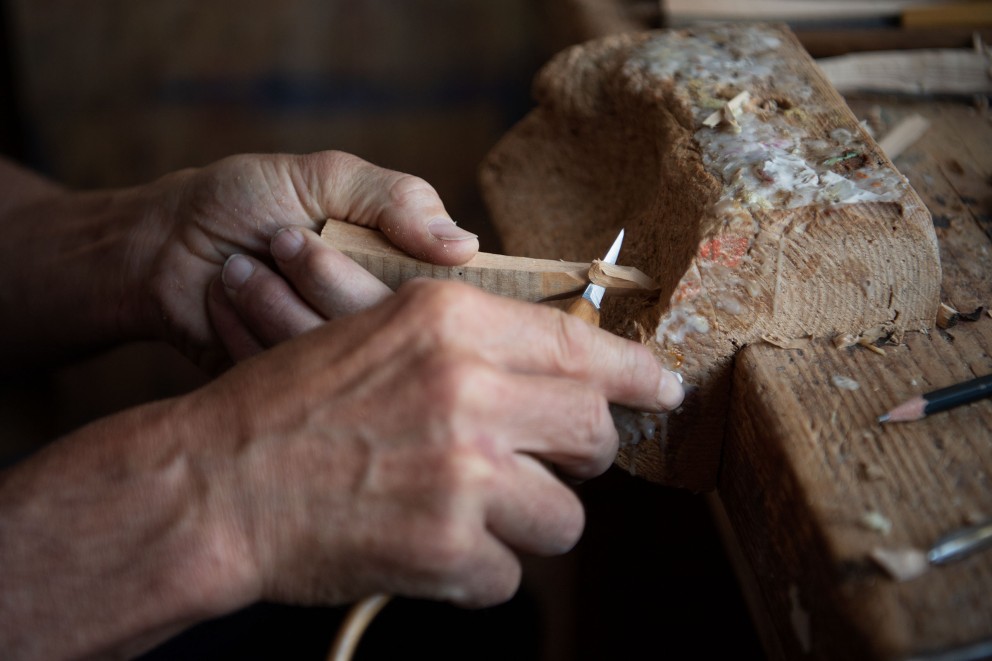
(85, 270)
(239, 204)
(403, 449)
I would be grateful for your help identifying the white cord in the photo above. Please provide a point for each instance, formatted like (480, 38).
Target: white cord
(358, 619)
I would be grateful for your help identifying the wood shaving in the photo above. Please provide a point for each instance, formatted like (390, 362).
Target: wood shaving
(901, 564)
(947, 316)
(871, 346)
(615, 277)
(903, 135)
(784, 342)
(876, 522)
(844, 382)
(869, 472)
(845, 340)
(869, 338)
(974, 315)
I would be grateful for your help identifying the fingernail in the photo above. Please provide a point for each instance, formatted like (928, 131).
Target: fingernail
(237, 270)
(287, 244)
(670, 390)
(445, 229)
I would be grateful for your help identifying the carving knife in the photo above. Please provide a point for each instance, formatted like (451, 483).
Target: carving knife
(587, 306)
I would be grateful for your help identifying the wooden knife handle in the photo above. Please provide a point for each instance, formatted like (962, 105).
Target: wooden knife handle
(585, 310)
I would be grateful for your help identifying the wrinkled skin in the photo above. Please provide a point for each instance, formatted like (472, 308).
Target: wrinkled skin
(366, 441)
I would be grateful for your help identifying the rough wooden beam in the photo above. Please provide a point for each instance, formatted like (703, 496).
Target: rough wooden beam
(814, 487)
(785, 220)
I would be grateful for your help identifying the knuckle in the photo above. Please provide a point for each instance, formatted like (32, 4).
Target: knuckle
(505, 586)
(598, 434)
(449, 378)
(337, 161)
(572, 523)
(439, 309)
(448, 549)
(570, 348)
(410, 190)
(261, 294)
(489, 584)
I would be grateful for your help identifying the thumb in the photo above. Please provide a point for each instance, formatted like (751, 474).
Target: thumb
(405, 208)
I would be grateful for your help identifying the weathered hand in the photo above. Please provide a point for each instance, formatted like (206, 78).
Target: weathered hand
(401, 449)
(203, 216)
(253, 307)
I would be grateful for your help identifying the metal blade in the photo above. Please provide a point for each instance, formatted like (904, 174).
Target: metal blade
(594, 293)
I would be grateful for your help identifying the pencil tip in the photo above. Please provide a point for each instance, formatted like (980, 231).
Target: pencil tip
(884, 418)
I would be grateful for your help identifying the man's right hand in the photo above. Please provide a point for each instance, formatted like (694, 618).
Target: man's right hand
(404, 449)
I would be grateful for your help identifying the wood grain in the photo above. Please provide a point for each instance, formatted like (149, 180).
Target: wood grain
(805, 462)
(523, 278)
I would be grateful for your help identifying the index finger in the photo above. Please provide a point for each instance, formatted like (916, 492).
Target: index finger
(626, 371)
(537, 339)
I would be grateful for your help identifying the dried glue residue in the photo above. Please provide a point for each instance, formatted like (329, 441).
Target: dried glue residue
(766, 161)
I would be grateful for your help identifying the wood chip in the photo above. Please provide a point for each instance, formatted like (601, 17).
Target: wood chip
(845, 340)
(901, 564)
(870, 337)
(844, 382)
(784, 342)
(871, 346)
(877, 522)
(903, 135)
(727, 115)
(974, 315)
(947, 316)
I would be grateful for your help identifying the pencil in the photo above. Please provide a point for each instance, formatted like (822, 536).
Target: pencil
(940, 400)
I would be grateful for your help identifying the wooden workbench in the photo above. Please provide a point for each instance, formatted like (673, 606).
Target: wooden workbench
(808, 491)
(810, 483)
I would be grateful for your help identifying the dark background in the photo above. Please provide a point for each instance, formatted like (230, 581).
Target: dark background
(114, 93)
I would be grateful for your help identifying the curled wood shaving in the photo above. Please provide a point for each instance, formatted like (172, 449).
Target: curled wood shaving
(974, 315)
(615, 277)
(845, 340)
(947, 316)
(871, 346)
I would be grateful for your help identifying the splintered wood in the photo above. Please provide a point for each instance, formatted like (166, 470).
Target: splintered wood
(748, 191)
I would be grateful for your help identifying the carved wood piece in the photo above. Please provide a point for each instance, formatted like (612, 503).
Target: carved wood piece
(524, 278)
